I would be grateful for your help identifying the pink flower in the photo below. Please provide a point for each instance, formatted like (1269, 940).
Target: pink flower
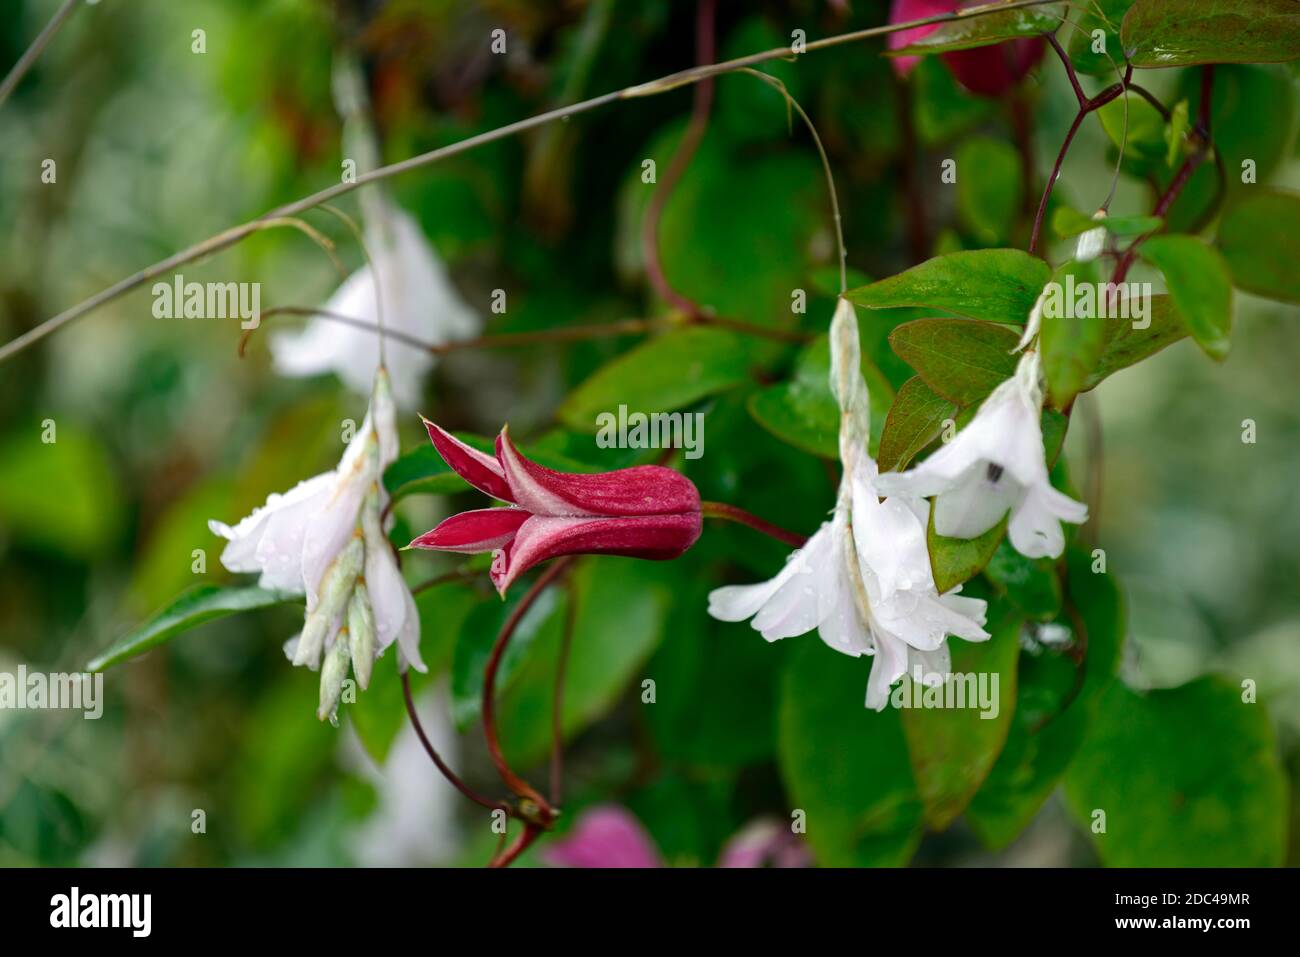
(643, 512)
(988, 71)
(604, 836)
(608, 835)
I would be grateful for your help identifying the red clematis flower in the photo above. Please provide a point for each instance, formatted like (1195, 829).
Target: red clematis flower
(988, 71)
(642, 512)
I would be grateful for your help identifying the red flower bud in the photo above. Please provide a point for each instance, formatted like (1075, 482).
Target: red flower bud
(642, 512)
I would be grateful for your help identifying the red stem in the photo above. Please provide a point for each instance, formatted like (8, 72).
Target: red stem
(446, 772)
(733, 514)
(513, 781)
(690, 142)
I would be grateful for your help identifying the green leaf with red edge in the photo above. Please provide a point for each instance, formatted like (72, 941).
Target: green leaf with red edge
(988, 29)
(1200, 287)
(996, 285)
(1166, 33)
(914, 420)
(961, 360)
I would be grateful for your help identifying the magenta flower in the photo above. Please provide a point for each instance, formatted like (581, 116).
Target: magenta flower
(609, 835)
(988, 71)
(643, 512)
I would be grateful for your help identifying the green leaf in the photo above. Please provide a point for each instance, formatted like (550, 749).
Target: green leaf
(622, 604)
(1067, 222)
(804, 412)
(1179, 124)
(957, 560)
(717, 683)
(1127, 344)
(478, 634)
(62, 495)
(1199, 285)
(988, 195)
(1260, 240)
(190, 609)
(1030, 584)
(915, 418)
(844, 765)
(953, 749)
(1186, 777)
(961, 360)
(987, 30)
(996, 285)
(1071, 345)
(1054, 704)
(666, 373)
(1104, 15)
(1164, 33)
(1145, 136)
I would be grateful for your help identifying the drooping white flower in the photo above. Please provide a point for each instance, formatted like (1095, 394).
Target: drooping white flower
(863, 580)
(324, 539)
(996, 464)
(416, 296)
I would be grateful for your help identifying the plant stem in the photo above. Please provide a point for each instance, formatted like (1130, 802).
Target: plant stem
(441, 765)
(732, 513)
(229, 237)
(34, 51)
(1171, 194)
(522, 843)
(557, 701)
(518, 785)
(690, 142)
(1086, 105)
(624, 327)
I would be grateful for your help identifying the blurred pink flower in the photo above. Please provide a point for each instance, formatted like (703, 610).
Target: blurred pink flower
(604, 836)
(988, 71)
(608, 835)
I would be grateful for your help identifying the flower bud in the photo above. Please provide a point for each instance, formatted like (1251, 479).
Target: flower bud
(335, 588)
(332, 674)
(361, 630)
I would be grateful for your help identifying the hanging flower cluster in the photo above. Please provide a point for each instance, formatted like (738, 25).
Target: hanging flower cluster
(863, 581)
(325, 539)
(642, 512)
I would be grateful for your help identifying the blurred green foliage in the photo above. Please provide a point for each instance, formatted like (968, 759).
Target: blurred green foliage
(161, 426)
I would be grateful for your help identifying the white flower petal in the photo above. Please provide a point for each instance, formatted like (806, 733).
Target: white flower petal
(976, 502)
(270, 540)
(1035, 528)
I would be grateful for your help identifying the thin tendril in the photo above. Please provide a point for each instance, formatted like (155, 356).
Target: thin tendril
(791, 102)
